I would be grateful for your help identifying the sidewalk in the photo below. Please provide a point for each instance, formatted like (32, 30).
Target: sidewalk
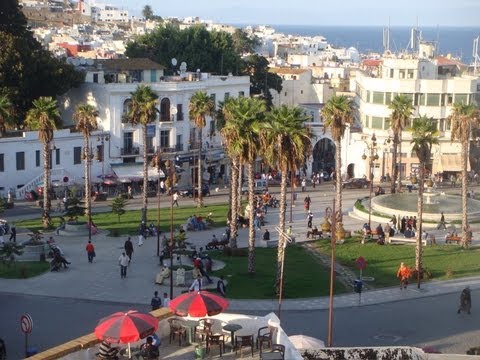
(100, 281)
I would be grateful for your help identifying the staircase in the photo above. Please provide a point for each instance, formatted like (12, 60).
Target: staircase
(58, 173)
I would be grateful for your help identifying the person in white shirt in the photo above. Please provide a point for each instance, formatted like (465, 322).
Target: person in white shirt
(175, 199)
(123, 261)
(166, 300)
(197, 284)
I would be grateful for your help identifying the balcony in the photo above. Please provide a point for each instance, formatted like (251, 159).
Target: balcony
(168, 149)
(130, 151)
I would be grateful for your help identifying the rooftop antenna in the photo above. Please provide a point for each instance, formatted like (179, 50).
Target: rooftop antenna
(476, 58)
(386, 37)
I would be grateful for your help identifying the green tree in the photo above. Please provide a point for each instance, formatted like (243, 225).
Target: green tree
(337, 115)
(147, 12)
(86, 118)
(465, 119)
(5, 114)
(8, 252)
(242, 115)
(45, 117)
(118, 206)
(286, 143)
(402, 110)
(424, 136)
(201, 105)
(143, 111)
(243, 43)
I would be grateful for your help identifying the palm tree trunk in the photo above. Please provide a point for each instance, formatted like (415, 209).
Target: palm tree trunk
(233, 204)
(239, 184)
(87, 177)
(281, 225)
(465, 141)
(338, 182)
(418, 247)
(394, 165)
(46, 182)
(399, 160)
(145, 175)
(251, 227)
(200, 197)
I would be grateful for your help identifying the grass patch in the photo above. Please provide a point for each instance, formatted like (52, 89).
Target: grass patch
(443, 261)
(303, 275)
(130, 221)
(23, 270)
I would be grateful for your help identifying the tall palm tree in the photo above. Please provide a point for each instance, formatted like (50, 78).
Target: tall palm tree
(201, 105)
(242, 116)
(286, 143)
(143, 111)
(5, 114)
(402, 110)
(464, 119)
(44, 117)
(86, 118)
(337, 115)
(424, 136)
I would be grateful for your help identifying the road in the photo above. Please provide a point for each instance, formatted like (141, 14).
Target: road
(421, 322)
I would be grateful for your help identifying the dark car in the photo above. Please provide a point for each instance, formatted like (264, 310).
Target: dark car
(190, 191)
(356, 183)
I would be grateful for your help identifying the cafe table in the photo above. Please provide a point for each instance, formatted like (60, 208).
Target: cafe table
(232, 328)
(190, 326)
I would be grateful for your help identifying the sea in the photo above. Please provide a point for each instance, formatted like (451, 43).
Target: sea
(457, 41)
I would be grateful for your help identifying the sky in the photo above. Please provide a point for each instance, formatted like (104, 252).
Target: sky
(316, 12)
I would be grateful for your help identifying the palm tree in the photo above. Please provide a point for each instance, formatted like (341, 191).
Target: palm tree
(337, 115)
(86, 117)
(143, 111)
(464, 119)
(44, 117)
(286, 143)
(201, 105)
(424, 136)
(5, 114)
(402, 110)
(242, 115)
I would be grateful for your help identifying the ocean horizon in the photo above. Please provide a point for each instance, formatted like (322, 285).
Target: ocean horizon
(457, 41)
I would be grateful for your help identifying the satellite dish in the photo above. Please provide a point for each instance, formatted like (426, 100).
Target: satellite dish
(174, 62)
(69, 60)
(83, 61)
(75, 62)
(183, 66)
(89, 62)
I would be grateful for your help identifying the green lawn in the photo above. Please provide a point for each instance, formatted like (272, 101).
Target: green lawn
(23, 270)
(383, 261)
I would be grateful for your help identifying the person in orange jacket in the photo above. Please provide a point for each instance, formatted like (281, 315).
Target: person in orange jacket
(403, 274)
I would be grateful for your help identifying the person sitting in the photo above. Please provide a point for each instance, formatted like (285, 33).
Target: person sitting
(379, 191)
(148, 350)
(266, 235)
(162, 275)
(221, 286)
(105, 351)
(380, 232)
(409, 233)
(314, 232)
(201, 223)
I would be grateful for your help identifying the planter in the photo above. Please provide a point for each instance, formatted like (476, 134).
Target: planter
(34, 253)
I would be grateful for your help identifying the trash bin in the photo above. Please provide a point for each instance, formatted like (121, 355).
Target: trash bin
(31, 351)
(357, 285)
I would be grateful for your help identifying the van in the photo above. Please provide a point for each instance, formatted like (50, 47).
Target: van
(259, 186)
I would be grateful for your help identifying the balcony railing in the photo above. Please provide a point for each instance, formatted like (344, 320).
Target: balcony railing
(130, 151)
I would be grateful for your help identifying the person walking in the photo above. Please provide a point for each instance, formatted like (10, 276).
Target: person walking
(465, 301)
(90, 251)
(403, 274)
(156, 302)
(221, 286)
(123, 262)
(128, 246)
(442, 223)
(197, 284)
(175, 198)
(13, 233)
(309, 219)
(166, 300)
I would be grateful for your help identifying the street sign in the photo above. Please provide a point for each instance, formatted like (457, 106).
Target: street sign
(361, 263)
(26, 323)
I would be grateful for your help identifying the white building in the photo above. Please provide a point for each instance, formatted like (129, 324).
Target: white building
(108, 86)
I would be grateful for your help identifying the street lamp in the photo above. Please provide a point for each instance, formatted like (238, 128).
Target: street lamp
(157, 162)
(102, 138)
(171, 176)
(87, 157)
(372, 156)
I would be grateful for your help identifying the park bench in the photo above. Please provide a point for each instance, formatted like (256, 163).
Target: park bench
(455, 238)
(395, 240)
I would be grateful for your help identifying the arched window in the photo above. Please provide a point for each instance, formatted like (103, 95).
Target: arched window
(165, 110)
(127, 104)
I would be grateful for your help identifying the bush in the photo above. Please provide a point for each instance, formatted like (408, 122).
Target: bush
(449, 273)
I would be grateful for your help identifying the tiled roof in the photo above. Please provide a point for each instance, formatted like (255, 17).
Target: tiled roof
(445, 61)
(287, 71)
(371, 62)
(130, 64)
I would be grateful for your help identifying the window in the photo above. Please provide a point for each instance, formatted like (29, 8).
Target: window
(386, 124)
(410, 74)
(153, 75)
(368, 96)
(20, 157)
(150, 148)
(377, 122)
(128, 142)
(391, 73)
(127, 104)
(179, 145)
(214, 99)
(377, 97)
(211, 131)
(2, 162)
(77, 155)
(95, 78)
(301, 91)
(164, 138)
(461, 98)
(37, 158)
(241, 94)
(402, 74)
(449, 99)
(226, 97)
(179, 112)
(165, 110)
(433, 99)
(388, 98)
(57, 156)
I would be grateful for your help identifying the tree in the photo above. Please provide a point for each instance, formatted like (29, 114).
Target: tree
(402, 110)
(143, 111)
(147, 12)
(86, 118)
(465, 119)
(243, 43)
(5, 114)
(337, 115)
(201, 105)
(45, 117)
(286, 143)
(118, 206)
(242, 116)
(9, 250)
(424, 136)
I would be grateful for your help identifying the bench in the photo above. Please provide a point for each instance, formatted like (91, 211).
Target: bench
(395, 240)
(457, 239)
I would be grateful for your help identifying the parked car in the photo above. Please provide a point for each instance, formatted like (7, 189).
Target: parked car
(325, 176)
(189, 192)
(4, 226)
(356, 183)
(259, 187)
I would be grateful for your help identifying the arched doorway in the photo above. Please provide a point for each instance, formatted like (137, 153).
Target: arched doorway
(165, 110)
(323, 156)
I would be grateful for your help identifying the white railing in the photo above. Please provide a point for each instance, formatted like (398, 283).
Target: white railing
(33, 184)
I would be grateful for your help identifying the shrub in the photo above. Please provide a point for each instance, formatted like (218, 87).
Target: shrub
(449, 273)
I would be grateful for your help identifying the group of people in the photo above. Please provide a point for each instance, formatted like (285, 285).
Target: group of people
(196, 223)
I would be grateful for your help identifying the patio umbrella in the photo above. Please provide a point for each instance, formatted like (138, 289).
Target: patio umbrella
(126, 327)
(304, 342)
(198, 304)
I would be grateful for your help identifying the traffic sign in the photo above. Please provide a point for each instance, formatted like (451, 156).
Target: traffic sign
(26, 323)
(361, 263)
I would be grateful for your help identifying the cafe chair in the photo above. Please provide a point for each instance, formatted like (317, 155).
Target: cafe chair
(180, 277)
(204, 328)
(264, 336)
(279, 348)
(241, 342)
(176, 329)
(216, 340)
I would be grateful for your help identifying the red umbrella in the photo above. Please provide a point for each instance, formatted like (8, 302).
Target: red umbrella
(126, 327)
(198, 304)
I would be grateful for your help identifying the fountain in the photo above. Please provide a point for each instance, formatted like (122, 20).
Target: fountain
(430, 194)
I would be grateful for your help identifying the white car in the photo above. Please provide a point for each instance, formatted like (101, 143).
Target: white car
(259, 187)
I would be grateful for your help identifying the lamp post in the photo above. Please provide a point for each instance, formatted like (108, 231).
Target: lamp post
(171, 168)
(88, 156)
(372, 156)
(102, 139)
(158, 163)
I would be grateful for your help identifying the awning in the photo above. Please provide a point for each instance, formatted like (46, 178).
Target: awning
(134, 172)
(449, 162)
